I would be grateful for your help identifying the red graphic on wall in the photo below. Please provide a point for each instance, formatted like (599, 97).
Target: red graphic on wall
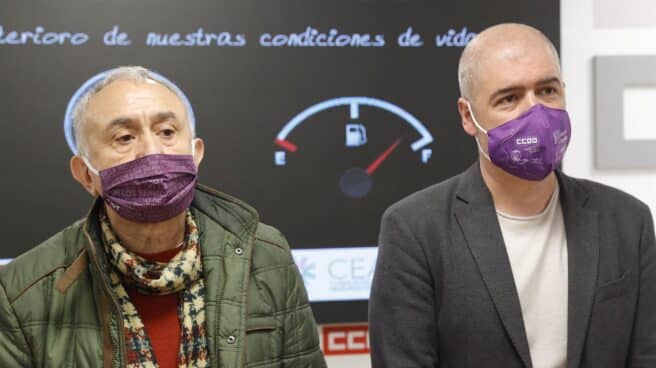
(345, 339)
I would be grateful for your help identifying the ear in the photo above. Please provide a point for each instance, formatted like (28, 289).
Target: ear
(199, 150)
(466, 117)
(82, 175)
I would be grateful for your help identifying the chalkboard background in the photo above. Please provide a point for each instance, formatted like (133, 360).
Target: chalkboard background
(243, 95)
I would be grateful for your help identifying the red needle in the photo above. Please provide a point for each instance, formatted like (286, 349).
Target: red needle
(289, 146)
(379, 160)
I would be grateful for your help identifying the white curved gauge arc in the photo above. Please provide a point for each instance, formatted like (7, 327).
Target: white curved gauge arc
(355, 102)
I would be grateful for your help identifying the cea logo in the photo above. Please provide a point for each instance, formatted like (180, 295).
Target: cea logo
(306, 268)
(355, 268)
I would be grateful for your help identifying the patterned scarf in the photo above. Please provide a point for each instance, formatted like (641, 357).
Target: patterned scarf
(183, 274)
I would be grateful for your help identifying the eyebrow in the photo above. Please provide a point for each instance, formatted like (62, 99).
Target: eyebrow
(548, 81)
(156, 118)
(118, 122)
(164, 115)
(514, 88)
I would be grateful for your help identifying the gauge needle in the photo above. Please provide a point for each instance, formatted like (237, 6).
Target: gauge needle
(289, 146)
(383, 156)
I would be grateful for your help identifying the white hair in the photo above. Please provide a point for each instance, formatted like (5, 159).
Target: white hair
(465, 71)
(126, 73)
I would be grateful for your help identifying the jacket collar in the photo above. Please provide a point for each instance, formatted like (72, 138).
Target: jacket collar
(472, 189)
(478, 221)
(231, 213)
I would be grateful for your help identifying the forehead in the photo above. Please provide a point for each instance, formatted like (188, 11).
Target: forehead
(514, 64)
(124, 98)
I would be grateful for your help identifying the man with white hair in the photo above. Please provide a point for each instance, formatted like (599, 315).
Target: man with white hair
(162, 272)
(513, 263)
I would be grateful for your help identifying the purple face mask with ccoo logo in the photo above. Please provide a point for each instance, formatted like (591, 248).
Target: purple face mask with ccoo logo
(530, 146)
(149, 189)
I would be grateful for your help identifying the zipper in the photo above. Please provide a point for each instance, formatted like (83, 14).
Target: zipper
(251, 240)
(121, 347)
(244, 311)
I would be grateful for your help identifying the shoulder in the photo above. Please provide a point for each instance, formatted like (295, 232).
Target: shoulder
(270, 248)
(32, 268)
(604, 198)
(428, 202)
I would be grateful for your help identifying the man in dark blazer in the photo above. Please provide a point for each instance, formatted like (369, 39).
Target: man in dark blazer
(512, 263)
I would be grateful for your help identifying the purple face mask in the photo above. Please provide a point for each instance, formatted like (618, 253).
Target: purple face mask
(150, 189)
(530, 146)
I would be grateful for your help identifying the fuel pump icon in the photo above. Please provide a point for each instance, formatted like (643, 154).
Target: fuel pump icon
(356, 135)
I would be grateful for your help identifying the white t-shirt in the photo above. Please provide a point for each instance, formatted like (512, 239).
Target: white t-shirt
(537, 247)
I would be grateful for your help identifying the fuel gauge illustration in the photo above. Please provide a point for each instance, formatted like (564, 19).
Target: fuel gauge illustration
(357, 181)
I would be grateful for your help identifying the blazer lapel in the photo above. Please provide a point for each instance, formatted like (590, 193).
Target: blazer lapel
(478, 221)
(581, 227)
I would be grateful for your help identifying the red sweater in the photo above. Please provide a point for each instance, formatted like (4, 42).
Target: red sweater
(159, 314)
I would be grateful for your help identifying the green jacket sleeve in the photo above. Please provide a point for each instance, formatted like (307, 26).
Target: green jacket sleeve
(14, 351)
(301, 339)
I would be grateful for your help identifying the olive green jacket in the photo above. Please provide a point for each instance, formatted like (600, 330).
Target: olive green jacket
(57, 309)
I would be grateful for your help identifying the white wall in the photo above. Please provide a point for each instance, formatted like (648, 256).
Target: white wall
(599, 27)
(348, 361)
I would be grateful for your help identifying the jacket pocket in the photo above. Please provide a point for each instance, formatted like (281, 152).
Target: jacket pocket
(263, 341)
(254, 324)
(614, 288)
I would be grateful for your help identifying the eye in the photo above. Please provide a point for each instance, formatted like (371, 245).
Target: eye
(125, 139)
(548, 91)
(507, 100)
(167, 133)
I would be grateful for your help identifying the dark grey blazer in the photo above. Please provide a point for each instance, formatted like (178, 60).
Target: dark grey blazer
(444, 296)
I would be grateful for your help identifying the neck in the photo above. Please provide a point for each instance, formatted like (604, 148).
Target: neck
(516, 196)
(148, 238)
